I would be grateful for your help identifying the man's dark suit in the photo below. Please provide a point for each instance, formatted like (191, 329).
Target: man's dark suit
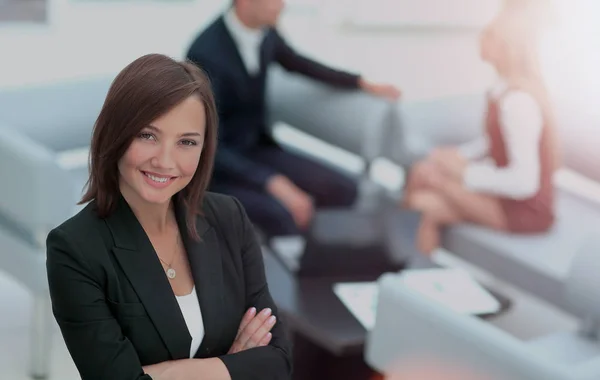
(117, 311)
(247, 157)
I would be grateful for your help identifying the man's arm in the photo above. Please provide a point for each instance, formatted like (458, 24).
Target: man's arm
(292, 61)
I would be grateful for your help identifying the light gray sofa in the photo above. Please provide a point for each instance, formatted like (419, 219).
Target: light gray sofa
(35, 124)
(410, 327)
(39, 123)
(537, 264)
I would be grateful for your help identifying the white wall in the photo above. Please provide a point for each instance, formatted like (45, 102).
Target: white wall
(88, 38)
(97, 37)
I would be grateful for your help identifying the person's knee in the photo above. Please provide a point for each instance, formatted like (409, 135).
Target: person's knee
(433, 207)
(421, 201)
(419, 172)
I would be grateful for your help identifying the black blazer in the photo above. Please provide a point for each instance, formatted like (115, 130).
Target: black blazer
(240, 96)
(117, 311)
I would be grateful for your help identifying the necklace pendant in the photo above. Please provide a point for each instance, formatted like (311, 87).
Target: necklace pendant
(171, 273)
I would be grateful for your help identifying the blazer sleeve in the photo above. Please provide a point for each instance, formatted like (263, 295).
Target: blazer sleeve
(292, 61)
(272, 362)
(91, 333)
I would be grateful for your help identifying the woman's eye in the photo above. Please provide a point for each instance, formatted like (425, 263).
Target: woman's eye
(146, 136)
(188, 142)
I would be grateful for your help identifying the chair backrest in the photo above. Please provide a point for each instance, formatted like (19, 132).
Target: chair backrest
(425, 124)
(60, 115)
(411, 328)
(36, 122)
(351, 120)
(36, 194)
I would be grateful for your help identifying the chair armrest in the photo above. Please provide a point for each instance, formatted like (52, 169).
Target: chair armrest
(351, 120)
(410, 327)
(36, 193)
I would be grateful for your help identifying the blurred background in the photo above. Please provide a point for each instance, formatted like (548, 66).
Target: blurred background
(428, 48)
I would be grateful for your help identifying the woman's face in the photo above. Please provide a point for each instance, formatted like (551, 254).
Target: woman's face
(488, 45)
(164, 156)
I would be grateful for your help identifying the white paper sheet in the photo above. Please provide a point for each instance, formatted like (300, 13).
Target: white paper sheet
(452, 287)
(360, 298)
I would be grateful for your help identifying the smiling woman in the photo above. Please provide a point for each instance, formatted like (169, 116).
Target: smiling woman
(156, 278)
(148, 109)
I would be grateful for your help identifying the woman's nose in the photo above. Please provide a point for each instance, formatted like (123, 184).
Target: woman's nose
(164, 158)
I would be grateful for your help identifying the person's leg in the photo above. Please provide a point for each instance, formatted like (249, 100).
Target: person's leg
(477, 208)
(417, 179)
(435, 211)
(434, 165)
(451, 204)
(263, 210)
(328, 187)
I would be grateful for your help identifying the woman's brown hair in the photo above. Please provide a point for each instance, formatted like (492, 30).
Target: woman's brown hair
(520, 26)
(143, 91)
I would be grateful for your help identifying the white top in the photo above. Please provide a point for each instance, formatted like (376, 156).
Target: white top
(247, 40)
(190, 308)
(521, 124)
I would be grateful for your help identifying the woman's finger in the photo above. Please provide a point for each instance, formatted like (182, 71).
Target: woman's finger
(248, 316)
(260, 333)
(248, 332)
(266, 340)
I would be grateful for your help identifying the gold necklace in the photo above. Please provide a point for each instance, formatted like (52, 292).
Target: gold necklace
(171, 273)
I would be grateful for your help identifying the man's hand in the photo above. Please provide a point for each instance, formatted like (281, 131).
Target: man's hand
(254, 330)
(383, 90)
(296, 201)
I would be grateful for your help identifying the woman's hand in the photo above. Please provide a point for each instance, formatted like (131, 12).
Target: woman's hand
(450, 161)
(157, 371)
(185, 369)
(254, 330)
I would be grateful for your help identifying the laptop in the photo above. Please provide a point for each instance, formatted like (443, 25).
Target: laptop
(350, 243)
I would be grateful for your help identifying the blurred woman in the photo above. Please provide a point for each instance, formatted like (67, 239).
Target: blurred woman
(504, 180)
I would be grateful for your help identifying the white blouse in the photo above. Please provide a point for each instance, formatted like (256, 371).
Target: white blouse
(247, 40)
(190, 307)
(521, 123)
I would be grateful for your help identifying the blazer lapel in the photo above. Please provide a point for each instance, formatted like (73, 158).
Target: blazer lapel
(266, 55)
(229, 43)
(141, 265)
(205, 263)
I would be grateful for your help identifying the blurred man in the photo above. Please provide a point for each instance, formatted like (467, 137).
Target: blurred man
(278, 189)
